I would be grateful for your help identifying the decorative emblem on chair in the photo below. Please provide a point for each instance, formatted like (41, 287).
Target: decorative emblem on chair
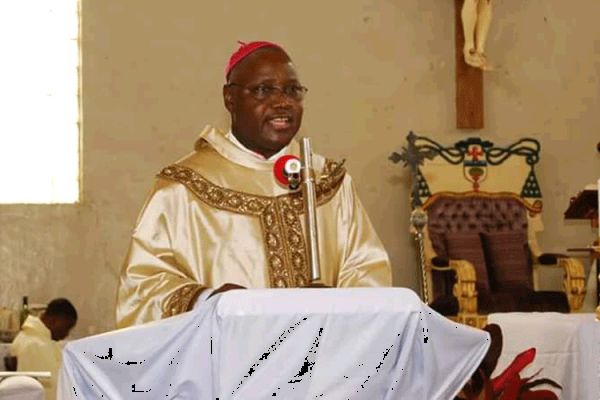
(474, 154)
(475, 163)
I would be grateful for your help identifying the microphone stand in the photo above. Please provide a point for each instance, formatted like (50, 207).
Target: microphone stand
(310, 209)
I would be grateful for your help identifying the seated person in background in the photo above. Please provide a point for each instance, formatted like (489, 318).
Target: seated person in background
(217, 219)
(36, 346)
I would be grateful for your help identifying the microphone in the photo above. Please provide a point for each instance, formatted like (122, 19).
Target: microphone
(287, 171)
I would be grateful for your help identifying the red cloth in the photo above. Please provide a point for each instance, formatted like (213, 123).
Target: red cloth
(244, 51)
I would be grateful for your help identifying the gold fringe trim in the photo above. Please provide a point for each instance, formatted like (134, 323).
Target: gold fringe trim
(534, 208)
(180, 301)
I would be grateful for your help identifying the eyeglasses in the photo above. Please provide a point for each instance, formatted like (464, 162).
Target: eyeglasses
(263, 91)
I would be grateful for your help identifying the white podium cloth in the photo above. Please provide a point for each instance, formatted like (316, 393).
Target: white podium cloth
(567, 349)
(284, 343)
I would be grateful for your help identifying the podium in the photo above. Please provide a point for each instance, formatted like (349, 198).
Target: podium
(360, 343)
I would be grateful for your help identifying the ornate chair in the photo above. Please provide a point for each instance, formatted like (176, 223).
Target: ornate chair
(483, 207)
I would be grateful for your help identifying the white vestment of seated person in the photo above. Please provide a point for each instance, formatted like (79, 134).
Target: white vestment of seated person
(36, 351)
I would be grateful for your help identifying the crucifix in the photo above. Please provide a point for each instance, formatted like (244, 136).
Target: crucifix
(472, 21)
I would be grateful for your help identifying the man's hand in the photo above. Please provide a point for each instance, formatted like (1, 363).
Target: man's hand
(225, 288)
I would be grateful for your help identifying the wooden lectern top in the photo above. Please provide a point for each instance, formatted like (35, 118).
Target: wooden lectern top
(584, 206)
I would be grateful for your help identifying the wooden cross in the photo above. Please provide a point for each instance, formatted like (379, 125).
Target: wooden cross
(469, 82)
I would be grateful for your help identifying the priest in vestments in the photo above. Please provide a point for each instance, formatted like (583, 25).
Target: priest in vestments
(218, 220)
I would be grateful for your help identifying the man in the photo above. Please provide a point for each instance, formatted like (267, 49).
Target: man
(36, 347)
(217, 219)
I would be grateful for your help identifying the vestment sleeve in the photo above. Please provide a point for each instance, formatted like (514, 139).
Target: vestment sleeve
(365, 261)
(156, 279)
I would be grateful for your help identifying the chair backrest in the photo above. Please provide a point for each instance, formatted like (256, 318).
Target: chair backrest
(21, 388)
(474, 212)
(474, 184)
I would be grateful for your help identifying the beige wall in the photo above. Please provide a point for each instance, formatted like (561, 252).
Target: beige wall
(152, 76)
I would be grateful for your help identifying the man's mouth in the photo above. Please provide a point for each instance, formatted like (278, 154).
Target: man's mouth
(280, 122)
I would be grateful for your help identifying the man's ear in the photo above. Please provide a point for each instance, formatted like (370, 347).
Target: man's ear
(228, 98)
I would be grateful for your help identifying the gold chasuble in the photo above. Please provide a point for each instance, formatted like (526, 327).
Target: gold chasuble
(218, 216)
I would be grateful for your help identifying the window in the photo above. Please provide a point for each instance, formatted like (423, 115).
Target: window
(39, 101)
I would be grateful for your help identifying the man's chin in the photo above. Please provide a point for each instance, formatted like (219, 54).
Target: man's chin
(279, 139)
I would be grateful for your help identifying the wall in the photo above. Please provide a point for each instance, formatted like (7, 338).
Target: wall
(152, 76)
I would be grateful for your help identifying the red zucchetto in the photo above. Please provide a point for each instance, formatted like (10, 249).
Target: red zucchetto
(244, 51)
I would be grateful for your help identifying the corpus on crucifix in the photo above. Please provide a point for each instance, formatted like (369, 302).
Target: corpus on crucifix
(476, 16)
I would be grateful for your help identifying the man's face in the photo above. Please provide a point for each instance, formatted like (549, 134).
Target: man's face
(264, 126)
(60, 327)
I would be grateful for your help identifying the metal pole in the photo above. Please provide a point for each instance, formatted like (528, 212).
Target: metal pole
(310, 209)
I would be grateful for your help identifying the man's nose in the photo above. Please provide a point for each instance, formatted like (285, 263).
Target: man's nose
(280, 99)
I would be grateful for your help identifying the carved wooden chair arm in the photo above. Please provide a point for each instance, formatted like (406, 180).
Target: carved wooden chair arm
(574, 282)
(464, 289)
(574, 277)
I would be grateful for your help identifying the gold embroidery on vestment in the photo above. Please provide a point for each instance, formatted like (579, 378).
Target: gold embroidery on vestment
(279, 217)
(180, 300)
